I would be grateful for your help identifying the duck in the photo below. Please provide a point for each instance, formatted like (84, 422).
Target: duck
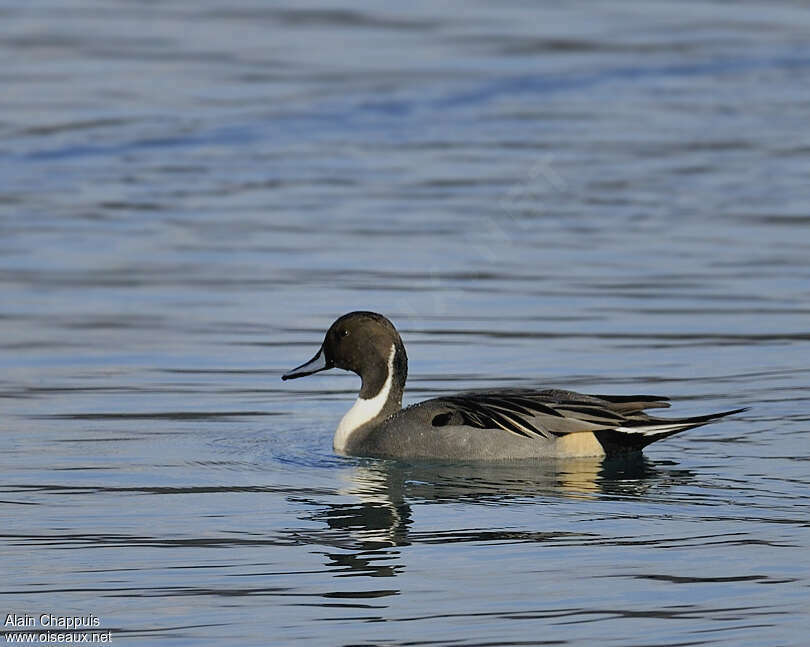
(498, 424)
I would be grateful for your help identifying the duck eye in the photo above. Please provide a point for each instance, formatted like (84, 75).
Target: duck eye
(344, 333)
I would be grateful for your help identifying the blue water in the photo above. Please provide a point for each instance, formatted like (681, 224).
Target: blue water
(609, 197)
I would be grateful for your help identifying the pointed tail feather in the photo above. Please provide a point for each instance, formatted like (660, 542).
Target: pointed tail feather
(655, 426)
(637, 434)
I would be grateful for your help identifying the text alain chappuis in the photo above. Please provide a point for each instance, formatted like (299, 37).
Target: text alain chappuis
(54, 628)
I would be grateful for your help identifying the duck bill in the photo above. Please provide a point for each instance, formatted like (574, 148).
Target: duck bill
(315, 365)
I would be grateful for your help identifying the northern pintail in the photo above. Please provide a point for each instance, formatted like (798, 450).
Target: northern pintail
(496, 424)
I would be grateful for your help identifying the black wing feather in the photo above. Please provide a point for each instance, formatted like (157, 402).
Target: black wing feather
(521, 411)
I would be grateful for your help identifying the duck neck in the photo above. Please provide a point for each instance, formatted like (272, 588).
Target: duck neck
(380, 396)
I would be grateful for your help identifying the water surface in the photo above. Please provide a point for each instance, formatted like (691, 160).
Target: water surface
(611, 198)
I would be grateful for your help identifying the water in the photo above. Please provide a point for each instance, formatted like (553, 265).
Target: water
(611, 198)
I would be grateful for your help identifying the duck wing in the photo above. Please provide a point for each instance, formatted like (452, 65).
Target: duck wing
(552, 413)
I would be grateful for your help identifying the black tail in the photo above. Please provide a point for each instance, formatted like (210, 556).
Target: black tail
(634, 435)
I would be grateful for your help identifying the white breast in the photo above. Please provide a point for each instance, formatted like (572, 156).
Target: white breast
(363, 410)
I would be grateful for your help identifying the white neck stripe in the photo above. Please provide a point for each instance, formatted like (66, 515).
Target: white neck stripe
(363, 410)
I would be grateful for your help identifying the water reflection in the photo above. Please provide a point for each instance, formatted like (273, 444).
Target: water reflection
(380, 520)
(394, 483)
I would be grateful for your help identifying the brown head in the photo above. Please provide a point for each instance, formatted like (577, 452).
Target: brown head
(361, 342)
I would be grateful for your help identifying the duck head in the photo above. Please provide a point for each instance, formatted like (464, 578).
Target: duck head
(367, 344)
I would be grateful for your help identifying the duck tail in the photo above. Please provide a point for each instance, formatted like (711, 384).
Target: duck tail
(633, 435)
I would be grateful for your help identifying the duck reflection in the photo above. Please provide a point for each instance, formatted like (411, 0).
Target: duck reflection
(392, 484)
(367, 524)
(379, 521)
